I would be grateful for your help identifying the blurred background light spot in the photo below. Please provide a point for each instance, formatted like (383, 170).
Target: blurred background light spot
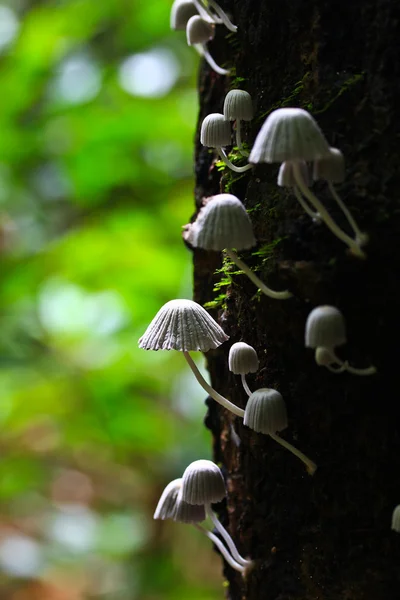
(74, 526)
(169, 158)
(8, 26)
(149, 74)
(78, 80)
(50, 182)
(20, 556)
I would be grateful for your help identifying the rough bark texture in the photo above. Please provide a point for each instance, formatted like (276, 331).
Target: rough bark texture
(325, 537)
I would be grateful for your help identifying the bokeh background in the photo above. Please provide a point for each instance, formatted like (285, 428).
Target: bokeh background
(98, 107)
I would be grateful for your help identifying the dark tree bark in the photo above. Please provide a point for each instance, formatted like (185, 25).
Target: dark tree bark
(327, 536)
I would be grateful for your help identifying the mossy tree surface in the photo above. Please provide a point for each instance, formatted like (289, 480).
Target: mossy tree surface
(328, 536)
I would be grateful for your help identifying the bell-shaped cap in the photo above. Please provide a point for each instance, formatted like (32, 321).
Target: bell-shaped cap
(167, 503)
(289, 134)
(286, 176)
(266, 411)
(181, 12)
(222, 223)
(215, 131)
(182, 325)
(203, 483)
(396, 519)
(331, 168)
(238, 106)
(188, 513)
(325, 327)
(199, 31)
(242, 359)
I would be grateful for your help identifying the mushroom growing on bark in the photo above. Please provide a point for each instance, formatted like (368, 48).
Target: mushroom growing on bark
(238, 106)
(242, 360)
(215, 133)
(198, 33)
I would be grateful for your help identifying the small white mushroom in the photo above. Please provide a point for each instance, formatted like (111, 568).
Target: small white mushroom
(215, 133)
(292, 135)
(238, 107)
(181, 12)
(266, 413)
(167, 503)
(396, 519)
(223, 224)
(242, 360)
(198, 33)
(188, 513)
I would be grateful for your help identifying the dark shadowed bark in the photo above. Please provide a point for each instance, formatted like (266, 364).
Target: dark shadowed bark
(327, 536)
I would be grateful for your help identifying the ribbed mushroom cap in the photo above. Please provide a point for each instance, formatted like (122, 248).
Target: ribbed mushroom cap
(215, 131)
(396, 519)
(199, 31)
(188, 513)
(222, 223)
(181, 12)
(167, 503)
(242, 359)
(265, 411)
(182, 325)
(238, 106)
(286, 175)
(331, 168)
(325, 327)
(289, 134)
(203, 483)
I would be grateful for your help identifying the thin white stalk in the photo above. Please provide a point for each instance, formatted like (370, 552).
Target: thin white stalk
(256, 280)
(244, 383)
(212, 62)
(230, 543)
(313, 214)
(229, 164)
(361, 237)
(235, 565)
(210, 390)
(205, 13)
(239, 143)
(223, 16)
(310, 465)
(325, 216)
(353, 370)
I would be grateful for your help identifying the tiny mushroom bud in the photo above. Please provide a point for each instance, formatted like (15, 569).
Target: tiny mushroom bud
(186, 326)
(238, 107)
(198, 33)
(167, 503)
(242, 360)
(223, 223)
(292, 135)
(396, 519)
(181, 12)
(215, 133)
(266, 413)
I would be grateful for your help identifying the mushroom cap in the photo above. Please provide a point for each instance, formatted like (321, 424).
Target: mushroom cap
(167, 503)
(182, 325)
(181, 12)
(289, 134)
(323, 357)
(265, 411)
(396, 519)
(242, 359)
(203, 483)
(325, 327)
(286, 175)
(222, 223)
(199, 31)
(238, 106)
(188, 513)
(215, 131)
(331, 168)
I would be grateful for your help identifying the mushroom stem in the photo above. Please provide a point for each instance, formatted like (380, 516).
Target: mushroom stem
(229, 541)
(260, 284)
(239, 143)
(210, 390)
(244, 383)
(310, 465)
(212, 62)
(344, 366)
(225, 553)
(361, 238)
(313, 214)
(325, 216)
(205, 13)
(223, 16)
(229, 164)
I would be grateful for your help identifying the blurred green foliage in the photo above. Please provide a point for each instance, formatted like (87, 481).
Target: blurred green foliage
(97, 116)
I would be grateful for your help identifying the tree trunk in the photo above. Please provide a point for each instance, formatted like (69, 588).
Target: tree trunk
(327, 536)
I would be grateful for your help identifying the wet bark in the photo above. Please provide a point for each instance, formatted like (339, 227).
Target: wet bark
(327, 536)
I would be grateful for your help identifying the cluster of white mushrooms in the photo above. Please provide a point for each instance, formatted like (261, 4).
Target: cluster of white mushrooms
(291, 138)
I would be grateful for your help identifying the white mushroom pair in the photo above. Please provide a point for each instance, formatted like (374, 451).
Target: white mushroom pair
(189, 499)
(325, 330)
(291, 136)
